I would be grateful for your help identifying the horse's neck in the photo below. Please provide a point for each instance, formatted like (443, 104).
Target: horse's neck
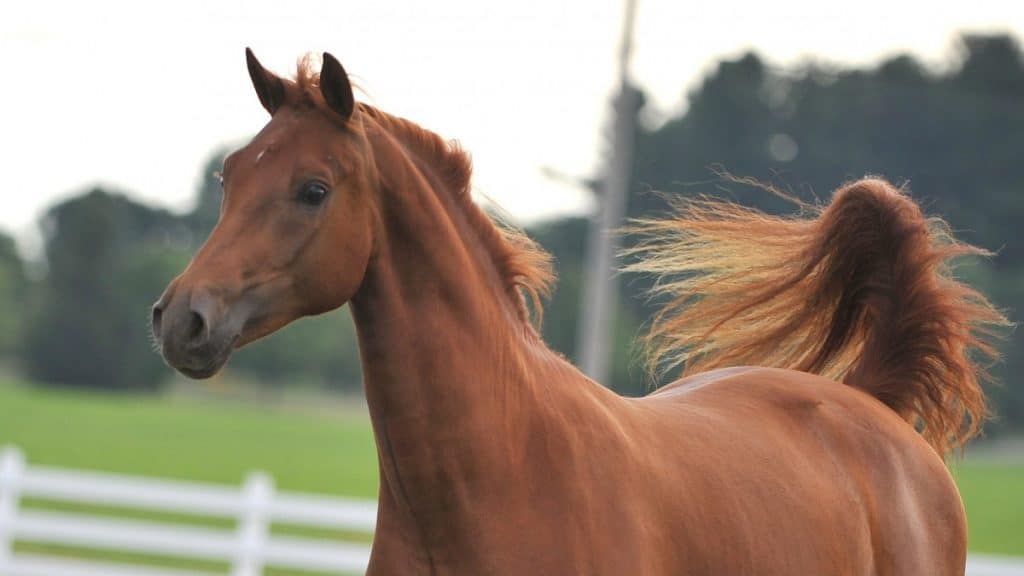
(452, 375)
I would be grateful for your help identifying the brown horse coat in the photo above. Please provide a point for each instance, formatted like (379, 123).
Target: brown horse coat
(497, 456)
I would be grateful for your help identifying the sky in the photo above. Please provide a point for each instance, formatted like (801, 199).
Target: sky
(136, 96)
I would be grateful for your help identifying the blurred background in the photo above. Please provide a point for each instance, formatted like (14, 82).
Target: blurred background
(117, 116)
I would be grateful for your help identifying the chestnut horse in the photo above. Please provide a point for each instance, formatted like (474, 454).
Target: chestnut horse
(497, 456)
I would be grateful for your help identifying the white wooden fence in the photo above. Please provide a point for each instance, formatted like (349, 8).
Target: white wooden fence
(247, 549)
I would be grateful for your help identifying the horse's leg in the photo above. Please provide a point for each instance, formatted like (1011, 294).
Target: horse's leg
(920, 525)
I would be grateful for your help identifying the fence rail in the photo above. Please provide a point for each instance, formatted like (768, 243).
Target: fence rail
(250, 546)
(247, 549)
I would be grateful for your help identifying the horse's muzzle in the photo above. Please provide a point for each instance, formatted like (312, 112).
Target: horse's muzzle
(195, 331)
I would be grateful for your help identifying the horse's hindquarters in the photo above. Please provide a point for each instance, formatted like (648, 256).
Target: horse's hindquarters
(778, 472)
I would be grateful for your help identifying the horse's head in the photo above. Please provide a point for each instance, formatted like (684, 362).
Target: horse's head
(295, 230)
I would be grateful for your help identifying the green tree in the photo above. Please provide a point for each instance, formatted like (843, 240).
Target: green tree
(206, 210)
(954, 137)
(107, 260)
(13, 290)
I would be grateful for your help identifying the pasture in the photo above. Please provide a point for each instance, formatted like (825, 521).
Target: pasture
(311, 449)
(324, 447)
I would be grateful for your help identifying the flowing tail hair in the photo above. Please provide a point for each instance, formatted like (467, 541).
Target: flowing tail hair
(860, 290)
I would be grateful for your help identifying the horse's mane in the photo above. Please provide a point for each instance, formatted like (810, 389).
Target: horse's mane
(524, 266)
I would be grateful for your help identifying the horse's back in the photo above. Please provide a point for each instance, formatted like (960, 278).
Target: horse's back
(778, 459)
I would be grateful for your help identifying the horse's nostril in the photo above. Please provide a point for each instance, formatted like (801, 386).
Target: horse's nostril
(158, 313)
(196, 328)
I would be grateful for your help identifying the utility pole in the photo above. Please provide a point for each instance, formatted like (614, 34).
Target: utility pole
(601, 286)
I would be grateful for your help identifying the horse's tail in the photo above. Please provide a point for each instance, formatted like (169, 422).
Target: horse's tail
(860, 290)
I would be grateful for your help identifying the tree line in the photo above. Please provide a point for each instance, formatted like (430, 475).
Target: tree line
(953, 136)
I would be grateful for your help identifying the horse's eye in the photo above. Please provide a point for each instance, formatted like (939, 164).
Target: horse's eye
(313, 194)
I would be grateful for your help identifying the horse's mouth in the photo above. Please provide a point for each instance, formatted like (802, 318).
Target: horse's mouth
(202, 364)
(200, 373)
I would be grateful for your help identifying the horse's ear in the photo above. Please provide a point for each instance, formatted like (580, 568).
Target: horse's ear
(269, 87)
(336, 88)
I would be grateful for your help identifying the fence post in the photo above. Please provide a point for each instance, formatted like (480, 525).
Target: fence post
(254, 524)
(12, 466)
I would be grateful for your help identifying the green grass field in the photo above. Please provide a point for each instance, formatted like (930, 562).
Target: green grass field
(308, 449)
(994, 497)
(326, 449)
